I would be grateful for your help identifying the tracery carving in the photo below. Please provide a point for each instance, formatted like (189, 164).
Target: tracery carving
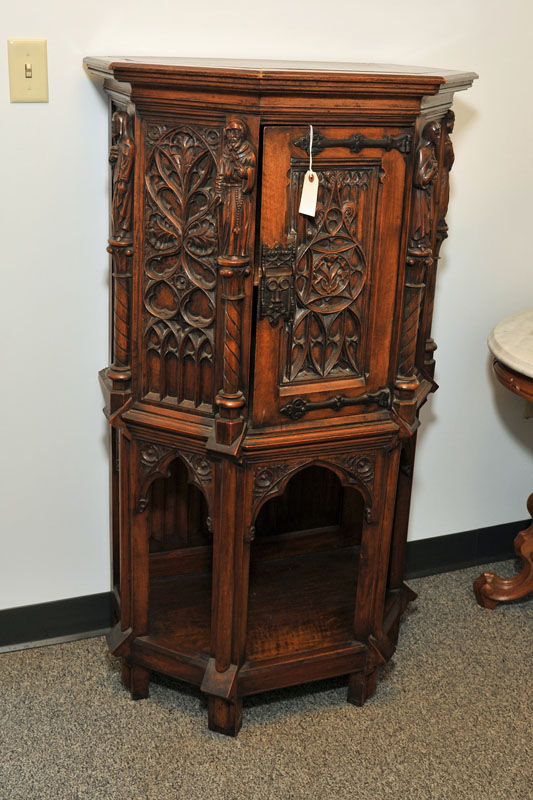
(330, 273)
(156, 460)
(353, 470)
(180, 262)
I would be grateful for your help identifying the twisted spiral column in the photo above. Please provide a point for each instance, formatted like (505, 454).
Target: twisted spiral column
(120, 369)
(230, 399)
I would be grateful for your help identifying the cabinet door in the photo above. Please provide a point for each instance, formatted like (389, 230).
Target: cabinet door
(328, 284)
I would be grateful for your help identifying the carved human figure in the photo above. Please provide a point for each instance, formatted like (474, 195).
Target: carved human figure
(447, 163)
(235, 183)
(426, 168)
(121, 157)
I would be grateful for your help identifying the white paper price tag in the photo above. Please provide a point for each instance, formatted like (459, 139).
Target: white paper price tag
(310, 187)
(309, 194)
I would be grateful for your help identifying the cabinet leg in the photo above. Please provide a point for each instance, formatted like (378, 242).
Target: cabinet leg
(224, 716)
(361, 686)
(136, 679)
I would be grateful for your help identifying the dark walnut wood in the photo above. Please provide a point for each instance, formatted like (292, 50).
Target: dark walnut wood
(489, 588)
(268, 367)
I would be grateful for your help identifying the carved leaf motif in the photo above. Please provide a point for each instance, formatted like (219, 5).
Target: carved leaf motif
(265, 478)
(360, 469)
(180, 262)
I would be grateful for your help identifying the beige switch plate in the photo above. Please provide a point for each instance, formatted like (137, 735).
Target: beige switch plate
(28, 70)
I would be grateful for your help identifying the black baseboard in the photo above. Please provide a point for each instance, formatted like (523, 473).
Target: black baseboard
(45, 622)
(78, 616)
(461, 550)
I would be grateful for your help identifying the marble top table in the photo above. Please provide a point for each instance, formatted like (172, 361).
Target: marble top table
(511, 344)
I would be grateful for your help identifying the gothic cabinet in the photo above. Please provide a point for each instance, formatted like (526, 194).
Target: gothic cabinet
(267, 366)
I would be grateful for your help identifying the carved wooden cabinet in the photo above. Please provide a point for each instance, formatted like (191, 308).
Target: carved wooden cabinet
(267, 367)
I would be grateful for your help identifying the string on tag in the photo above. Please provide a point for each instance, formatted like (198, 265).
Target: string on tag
(311, 175)
(309, 195)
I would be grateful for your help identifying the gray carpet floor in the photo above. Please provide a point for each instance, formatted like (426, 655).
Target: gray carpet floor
(452, 718)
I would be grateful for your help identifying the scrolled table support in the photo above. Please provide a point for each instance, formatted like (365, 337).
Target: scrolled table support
(490, 589)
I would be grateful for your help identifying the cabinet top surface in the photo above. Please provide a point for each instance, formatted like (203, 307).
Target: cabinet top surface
(137, 68)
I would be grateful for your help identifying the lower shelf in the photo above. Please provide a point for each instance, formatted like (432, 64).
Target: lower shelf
(301, 603)
(296, 605)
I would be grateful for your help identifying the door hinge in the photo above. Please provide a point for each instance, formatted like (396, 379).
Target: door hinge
(276, 288)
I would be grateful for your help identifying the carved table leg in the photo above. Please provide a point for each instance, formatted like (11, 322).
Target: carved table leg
(490, 589)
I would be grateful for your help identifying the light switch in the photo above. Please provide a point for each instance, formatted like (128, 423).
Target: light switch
(28, 70)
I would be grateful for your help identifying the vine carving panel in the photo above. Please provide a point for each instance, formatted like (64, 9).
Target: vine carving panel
(180, 250)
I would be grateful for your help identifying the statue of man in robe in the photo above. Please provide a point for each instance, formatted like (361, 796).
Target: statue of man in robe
(234, 186)
(121, 156)
(426, 169)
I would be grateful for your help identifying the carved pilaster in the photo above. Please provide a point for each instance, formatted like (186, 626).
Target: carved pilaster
(121, 157)
(441, 233)
(419, 259)
(235, 184)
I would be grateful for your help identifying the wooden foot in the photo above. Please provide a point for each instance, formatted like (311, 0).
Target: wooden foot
(136, 679)
(225, 716)
(491, 589)
(361, 686)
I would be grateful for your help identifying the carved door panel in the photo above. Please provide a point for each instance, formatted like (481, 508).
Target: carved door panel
(328, 284)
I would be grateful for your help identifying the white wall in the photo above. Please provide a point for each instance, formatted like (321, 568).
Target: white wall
(474, 462)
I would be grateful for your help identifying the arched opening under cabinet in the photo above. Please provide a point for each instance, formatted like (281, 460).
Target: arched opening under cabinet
(303, 566)
(180, 546)
(178, 514)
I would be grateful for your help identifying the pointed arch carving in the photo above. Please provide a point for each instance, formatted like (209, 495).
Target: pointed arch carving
(355, 471)
(156, 460)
